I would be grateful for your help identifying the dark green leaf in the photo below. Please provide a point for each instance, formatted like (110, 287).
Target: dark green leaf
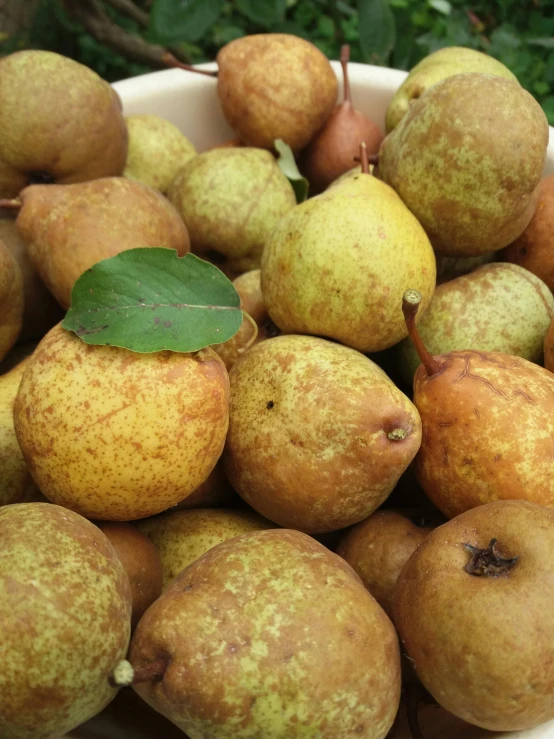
(182, 20)
(287, 165)
(264, 12)
(149, 299)
(377, 30)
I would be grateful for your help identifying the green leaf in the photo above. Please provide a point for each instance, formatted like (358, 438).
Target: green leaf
(288, 167)
(546, 43)
(443, 6)
(182, 20)
(264, 12)
(377, 30)
(149, 299)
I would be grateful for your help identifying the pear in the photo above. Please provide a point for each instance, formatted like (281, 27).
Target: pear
(498, 307)
(40, 309)
(116, 435)
(214, 492)
(141, 562)
(242, 643)
(338, 264)
(331, 152)
(231, 199)
(157, 151)
(488, 424)
(448, 268)
(68, 228)
(181, 537)
(65, 608)
(473, 607)
(11, 300)
(533, 248)
(378, 547)
(60, 122)
(467, 160)
(549, 348)
(275, 86)
(436, 67)
(318, 434)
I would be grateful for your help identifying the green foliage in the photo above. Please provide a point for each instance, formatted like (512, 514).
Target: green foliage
(398, 33)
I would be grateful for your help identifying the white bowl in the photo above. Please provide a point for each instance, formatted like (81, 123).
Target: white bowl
(190, 102)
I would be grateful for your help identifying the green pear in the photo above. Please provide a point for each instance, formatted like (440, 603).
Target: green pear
(65, 609)
(498, 307)
(467, 160)
(337, 265)
(157, 151)
(182, 536)
(270, 635)
(230, 200)
(436, 67)
(60, 122)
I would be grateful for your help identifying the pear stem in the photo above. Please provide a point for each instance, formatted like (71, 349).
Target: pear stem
(364, 159)
(173, 62)
(410, 306)
(150, 673)
(344, 59)
(11, 203)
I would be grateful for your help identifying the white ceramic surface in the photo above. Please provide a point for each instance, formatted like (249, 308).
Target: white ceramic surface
(190, 102)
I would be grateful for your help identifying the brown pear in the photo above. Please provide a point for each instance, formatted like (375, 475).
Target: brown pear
(68, 228)
(214, 492)
(11, 300)
(487, 426)
(331, 152)
(275, 86)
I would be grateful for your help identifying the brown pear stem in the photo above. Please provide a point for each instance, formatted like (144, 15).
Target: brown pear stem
(344, 59)
(153, 672)
(11, 203)
(410, 306)
(173, 62)
(363, 158)
(488, 562)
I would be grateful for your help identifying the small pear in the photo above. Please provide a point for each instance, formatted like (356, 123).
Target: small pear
(275, 86)
(318, 434)
(214, 492)
(331, 152)
(498, 308)
(68, 228)
(181, 537)
(157, 151)
(467, 160)
(231, 199)
(60, 122)
(436, 67)
(11, 300)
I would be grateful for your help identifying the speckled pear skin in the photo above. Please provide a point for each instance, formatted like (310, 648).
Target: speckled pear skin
(338, 264)
(488, 425)
(467, 159)
(68, 228)
(436, 67)
(157, 151)
(65, 608)
(498, 307)
(231, 199)
(117, 435)
(308, 444)
(275, 86)
(68, 125)
(11, 300)
(182, 536)
(271, 635)
(482, 646)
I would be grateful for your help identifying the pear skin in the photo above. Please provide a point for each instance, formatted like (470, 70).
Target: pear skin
(11, 300)
(214, 492)
(549, 348)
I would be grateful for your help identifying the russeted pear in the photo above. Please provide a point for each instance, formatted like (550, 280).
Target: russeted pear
(117, 435)
(60, 122)
(181, 537)
(157, 151)
(269, 634)
(467, 159)
(436, 67)
(11, 300)
(231, 199)
(275, 86)
(487, 426)
(338, 264)
(65, 609)
(318, 434)
(68, 228)
(498, 308)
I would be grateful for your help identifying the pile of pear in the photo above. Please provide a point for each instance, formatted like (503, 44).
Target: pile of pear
(349, 501)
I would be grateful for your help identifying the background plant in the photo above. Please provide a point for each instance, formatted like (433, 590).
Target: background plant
(122, 38)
